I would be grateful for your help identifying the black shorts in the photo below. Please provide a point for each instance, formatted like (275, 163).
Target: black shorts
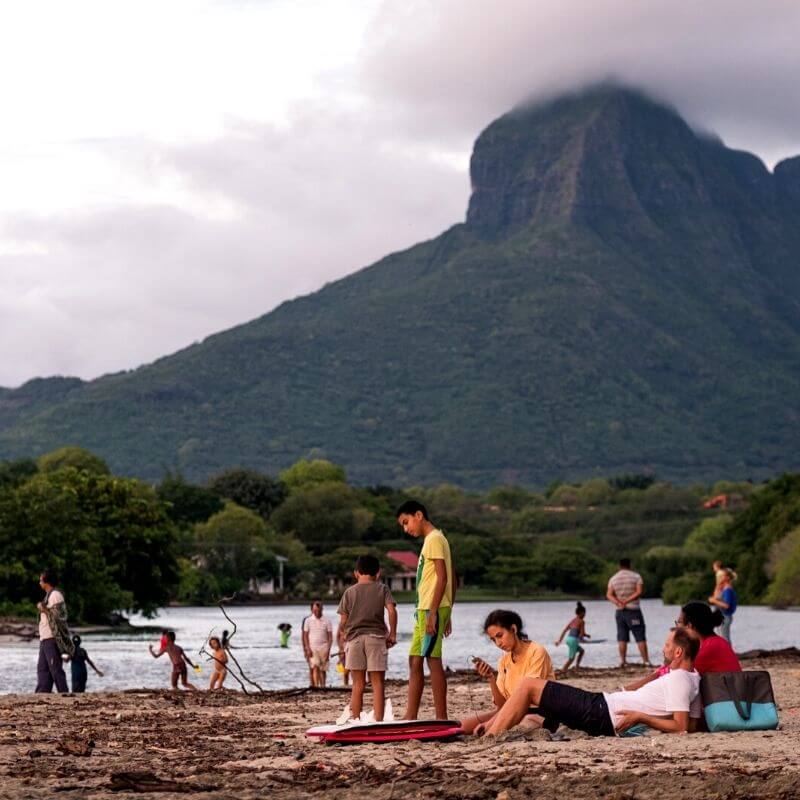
(630, 620)
(575, 708)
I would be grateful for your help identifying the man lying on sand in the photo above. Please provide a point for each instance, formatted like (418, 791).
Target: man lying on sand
(670, 704)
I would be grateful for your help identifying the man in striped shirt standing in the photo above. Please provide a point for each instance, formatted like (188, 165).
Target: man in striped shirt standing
(625, 587)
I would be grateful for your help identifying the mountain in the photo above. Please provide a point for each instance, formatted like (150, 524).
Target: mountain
(624, 295)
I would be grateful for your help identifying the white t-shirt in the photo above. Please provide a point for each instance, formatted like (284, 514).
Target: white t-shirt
(317, 629)
(678, 690)
(44, 626)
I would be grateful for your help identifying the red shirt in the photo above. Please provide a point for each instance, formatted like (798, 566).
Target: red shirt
(716, 655)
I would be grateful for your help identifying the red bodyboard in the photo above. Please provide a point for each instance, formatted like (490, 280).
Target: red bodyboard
(399, 731)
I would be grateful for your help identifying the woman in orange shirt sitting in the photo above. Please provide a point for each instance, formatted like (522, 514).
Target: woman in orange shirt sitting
(521, 658)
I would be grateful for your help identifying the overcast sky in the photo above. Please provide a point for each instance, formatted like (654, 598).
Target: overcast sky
(169, 169)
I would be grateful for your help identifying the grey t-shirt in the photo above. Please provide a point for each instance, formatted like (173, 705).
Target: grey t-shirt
(364, 603)
(624, 583)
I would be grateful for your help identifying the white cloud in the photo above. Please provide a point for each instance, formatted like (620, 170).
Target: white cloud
(172, 169)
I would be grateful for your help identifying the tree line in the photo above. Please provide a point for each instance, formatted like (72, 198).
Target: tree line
(123, 545)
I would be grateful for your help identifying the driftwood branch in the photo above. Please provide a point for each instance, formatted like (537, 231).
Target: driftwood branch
(204, 652)
(230, 654)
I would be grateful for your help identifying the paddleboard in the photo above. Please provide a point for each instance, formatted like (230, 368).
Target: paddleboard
(396, 731)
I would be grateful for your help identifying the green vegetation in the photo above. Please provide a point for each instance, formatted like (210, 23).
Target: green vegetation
(761, 543)
(122, 545)
(76, 457)
(109, 538)
(622, 298)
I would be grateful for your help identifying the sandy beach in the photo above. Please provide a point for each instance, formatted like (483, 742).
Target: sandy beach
(226, 745)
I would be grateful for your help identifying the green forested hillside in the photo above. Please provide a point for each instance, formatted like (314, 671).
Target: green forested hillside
(623, 296)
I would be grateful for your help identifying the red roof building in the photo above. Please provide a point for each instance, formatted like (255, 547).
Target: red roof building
(404, 579)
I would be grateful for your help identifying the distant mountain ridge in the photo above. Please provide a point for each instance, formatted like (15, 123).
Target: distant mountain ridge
(624, 295)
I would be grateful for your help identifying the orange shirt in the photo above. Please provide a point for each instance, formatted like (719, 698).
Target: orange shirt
(534, 663)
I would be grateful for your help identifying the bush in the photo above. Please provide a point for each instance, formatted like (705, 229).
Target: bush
(530, 520)
(249, 489)
(595, 492)
(784, 567)
(661, 563)
(197, 586)
(303, 474)
(565, 495)
(233, 547)
(75, 457)
(323, 516)
(632, 481)
(187, 504)
(15, 473)
(691, 586)
(514, 573)
(511, 498)
(708, 540)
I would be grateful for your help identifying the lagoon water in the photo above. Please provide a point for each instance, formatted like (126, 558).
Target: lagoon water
(127, 663)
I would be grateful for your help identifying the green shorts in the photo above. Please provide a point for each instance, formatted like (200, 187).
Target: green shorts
(421, 643)
(574, 646)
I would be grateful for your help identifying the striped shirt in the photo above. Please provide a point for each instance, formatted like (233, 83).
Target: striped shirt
(624, 583)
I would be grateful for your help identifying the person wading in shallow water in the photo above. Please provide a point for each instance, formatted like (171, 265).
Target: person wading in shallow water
(54, 637)
(317, 642)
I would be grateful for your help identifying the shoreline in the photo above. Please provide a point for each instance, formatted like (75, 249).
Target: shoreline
(227, 744)
(16, 629)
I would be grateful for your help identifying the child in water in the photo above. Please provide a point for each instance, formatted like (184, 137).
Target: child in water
(575, 630)
(178, 658)
(78, 661)
(220, 658)
(285, 632)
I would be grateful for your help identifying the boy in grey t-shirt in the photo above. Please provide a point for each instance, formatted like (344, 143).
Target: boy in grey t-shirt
(361, 611)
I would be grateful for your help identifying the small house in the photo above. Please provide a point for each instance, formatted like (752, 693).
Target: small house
(404, 578)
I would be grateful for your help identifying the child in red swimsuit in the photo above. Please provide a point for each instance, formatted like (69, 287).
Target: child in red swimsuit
(179, 661)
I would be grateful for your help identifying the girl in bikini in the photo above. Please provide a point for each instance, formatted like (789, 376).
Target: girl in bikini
(220, 658)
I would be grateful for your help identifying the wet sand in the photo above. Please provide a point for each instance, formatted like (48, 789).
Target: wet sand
(224, 745)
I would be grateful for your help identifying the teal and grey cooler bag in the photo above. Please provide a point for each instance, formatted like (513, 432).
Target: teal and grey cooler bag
(738, 701)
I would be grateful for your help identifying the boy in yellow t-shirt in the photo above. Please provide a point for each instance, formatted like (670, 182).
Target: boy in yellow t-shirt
(435, 597)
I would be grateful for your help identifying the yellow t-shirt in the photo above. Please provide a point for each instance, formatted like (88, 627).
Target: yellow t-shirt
(535, 663)
(434, 546)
